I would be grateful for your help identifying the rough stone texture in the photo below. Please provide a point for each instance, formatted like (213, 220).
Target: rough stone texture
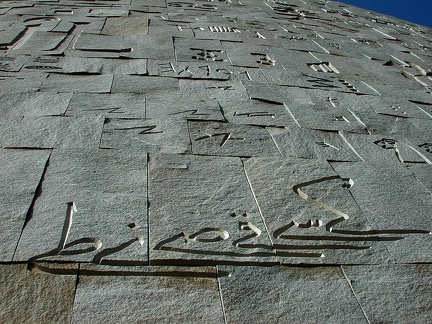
(108, 188)
(379, 288)
(288, 295)
(251, 133)
(147, 294)
(310, 215)
(36, 296)
(197, 217)
(21, 173)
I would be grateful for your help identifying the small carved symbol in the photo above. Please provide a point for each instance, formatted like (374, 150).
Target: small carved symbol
(332, 101)
(340, 118)
(398, 109)
(255, 114)
(225, 138)
(297, 38)
(264, 59)
(324, 144)
(348, 85)
(207, 55)
(427, 147)
(194, 112)
(223, 29)
(387, 143)
(221, 235)
(325, 67)
(146, 129)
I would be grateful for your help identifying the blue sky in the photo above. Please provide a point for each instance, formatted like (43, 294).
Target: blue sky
(417, 11)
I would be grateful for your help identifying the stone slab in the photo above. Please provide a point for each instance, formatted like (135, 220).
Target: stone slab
(379, 288)
(30, 296)
(151, 135)
(288, 295)
(310, 214)
(423, 173)
(144, 84)
(147, 294)
(199, 50)
(312, 144)
(385, 149)
(21, 173)
(111, 105)
(125, 26)
(204, 89)
(381, 193)
(183, 107)
(212, 217)
(190, 70)
(34, 103)
(51, 132)
(150, 47)
(256, 112)
(213, 138)
(77, 83)
(109, 223)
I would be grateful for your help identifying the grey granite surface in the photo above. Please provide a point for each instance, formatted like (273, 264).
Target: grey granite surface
(223, 161)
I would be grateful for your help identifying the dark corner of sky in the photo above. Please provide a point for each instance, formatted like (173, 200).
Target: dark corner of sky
(416, 11)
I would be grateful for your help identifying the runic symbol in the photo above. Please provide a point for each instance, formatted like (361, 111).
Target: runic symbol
(340, 118)
(427, 147)
(186, 69)
(255, 114)
(225, 138)
(194, 112)
(264, 59)
(324, 144)
(323, 67)
(387, 143)
(398, 109)
(223, 87)
(332, 101)
(167, 67)
(207, 55)
(145, 129)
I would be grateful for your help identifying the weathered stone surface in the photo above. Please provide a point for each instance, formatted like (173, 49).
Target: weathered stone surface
(310, 214)
(247, 133)
(34, 296)
(51, 132)
(20, 173)
(143, 84)
(183, 107)
(197, 218)
(147, 294)
(256, 112)
(77, 83)
(151, 135)
(312, 144)
(125, 26)
(34, 103)
(213, 138)
(108, 188)
(379, 288)
(381, 190)
(288, 295)
(128, 105)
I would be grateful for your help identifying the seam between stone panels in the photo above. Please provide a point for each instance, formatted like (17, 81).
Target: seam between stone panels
(274, 141)
(220, 295)
(256, 201)
(37, 193)
(355, 296)
(148, 208)
(75, 291)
